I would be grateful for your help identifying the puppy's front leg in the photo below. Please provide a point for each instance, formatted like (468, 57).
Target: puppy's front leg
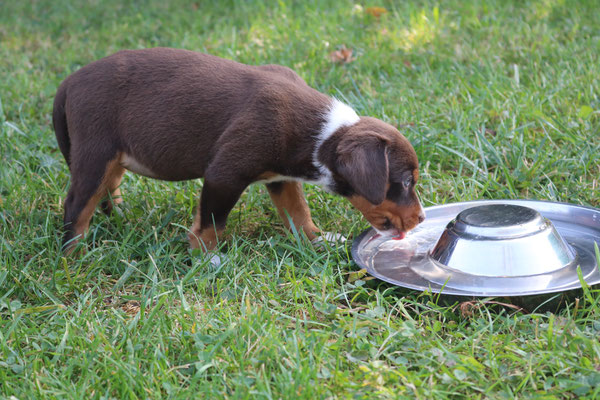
(216, 202)
(288, 197)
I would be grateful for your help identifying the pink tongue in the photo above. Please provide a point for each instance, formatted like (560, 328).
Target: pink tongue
(400, 236)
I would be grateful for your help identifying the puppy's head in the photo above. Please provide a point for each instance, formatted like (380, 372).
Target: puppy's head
(380, 167)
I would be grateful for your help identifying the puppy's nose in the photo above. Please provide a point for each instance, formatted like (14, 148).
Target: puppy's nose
(421, 216)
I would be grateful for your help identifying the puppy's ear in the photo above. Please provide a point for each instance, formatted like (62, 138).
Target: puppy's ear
(363, 162)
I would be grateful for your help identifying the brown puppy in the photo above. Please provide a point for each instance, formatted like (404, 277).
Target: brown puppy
(175, 114)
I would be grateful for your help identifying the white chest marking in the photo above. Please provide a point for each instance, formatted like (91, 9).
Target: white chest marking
(336, 116)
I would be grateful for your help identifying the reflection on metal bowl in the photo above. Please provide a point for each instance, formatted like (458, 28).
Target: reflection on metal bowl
(489, 248)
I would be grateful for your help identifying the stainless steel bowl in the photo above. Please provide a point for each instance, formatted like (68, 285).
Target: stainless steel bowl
(489, 248)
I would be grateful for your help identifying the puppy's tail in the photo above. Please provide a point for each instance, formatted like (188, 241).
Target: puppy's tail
(59, 120)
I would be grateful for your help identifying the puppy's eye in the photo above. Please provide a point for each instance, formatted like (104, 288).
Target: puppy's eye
(408, 181)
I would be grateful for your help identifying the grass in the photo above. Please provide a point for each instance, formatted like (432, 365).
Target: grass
(500, 99)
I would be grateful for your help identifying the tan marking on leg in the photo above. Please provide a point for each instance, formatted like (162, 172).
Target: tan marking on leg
(113, 186)
(291, 199)
(114, 197)
(206, 239)
(195, 233)
(113, 172)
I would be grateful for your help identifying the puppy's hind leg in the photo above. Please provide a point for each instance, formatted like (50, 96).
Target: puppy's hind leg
(114, 197)
(91, 180)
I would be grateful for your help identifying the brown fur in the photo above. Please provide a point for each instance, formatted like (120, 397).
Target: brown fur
(176, 115)
(112, 175)
(371, 161)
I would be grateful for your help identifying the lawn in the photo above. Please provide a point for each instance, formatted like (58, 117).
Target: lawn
(500, 100)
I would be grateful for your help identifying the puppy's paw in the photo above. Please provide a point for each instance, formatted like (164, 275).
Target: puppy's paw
(213, 258)
(217, 259)
(329, 238)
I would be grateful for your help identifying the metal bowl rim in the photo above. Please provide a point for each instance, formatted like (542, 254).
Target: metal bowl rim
(457, 292)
